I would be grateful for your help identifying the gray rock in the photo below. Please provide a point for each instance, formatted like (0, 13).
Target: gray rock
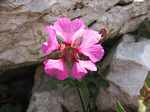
(22, 23)
(128, 70)
(49, 98)
(125, 1)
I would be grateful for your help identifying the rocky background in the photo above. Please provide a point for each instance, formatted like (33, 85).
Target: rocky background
(22, 32)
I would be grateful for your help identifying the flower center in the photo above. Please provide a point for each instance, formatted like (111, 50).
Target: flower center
(69, 54)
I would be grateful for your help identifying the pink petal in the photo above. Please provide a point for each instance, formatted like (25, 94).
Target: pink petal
(88, 65)
(65, 28)
(78, 69)
(90, 37)
(52, 43)
(56, 66)
(62, 73)
(51, 66)
(94, 52)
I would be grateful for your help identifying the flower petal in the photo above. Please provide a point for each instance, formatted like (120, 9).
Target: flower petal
(78, 69)
(90, 37)
(94, 52)
(52, 42)
(51, 66)
(65, 28)
(58, 66)
(88, 65)
(62, 73)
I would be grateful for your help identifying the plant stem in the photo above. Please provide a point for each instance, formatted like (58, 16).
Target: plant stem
(80, 96)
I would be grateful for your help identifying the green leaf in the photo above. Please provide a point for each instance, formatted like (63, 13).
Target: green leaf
(85, 91)
(105, 70)
(103, 83)
(137, 37)
(119, 107)
(67, 81)
(148, 79)
(64, 109)
(88, 81)
(147, 23)
(142, 91)
(92, 88)
(143, 106)
(142, 28)
(148, 35)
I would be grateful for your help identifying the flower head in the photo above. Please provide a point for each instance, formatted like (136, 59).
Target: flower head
(78, 49)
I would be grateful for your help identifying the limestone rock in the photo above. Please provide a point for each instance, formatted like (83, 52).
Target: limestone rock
(49, 98)
(38, 77)
(22, 23)
(125, 1)
(129, 65)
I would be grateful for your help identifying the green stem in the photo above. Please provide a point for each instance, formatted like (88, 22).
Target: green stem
(80, 96)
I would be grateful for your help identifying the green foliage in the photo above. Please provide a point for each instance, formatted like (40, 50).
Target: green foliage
(119, 107)
(105, 70)
(68, 81)
(137, 37)
(103, 83)
(144, 29)
(145, 94)
(142, 91)
(94, 81)
(148, 35)
(9, 108)
(143, 106)
(92, 89)
(148, 79)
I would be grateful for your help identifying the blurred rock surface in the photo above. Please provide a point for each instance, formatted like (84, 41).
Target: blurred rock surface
(128, 69)
(22, 23)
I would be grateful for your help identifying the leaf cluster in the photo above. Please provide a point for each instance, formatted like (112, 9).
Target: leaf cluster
(143, 30)
(145, 94)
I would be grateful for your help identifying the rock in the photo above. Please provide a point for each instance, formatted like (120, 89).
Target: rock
(132, 24)
(22, 23)
(38, 77)
(49, 98)
(138, 0)
(125, 1)
(128, 70)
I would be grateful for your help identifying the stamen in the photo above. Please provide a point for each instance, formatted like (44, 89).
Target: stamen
(69, 54)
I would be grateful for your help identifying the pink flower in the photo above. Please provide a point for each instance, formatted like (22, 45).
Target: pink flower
(81, 54)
